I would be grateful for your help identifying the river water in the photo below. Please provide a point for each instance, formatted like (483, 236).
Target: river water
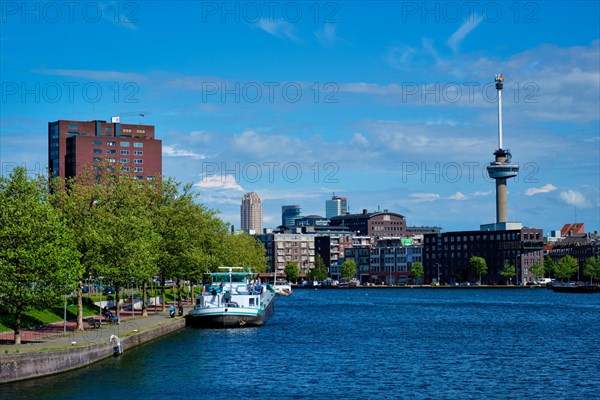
(364, 344)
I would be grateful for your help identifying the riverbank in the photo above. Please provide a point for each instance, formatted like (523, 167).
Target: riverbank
(47, 350)
(421, 287)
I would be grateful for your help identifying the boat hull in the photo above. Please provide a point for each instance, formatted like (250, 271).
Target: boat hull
(577, 289)
(229, 317)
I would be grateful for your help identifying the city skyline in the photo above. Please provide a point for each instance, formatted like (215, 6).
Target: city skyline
(390, 104)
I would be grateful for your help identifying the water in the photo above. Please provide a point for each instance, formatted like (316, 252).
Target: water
(363, 344)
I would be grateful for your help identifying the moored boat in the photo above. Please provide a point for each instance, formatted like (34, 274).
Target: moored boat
(232, 299)
(282, 288)
(576, 288)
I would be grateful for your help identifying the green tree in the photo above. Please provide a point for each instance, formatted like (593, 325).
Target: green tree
(416, 271)
(38, 257)
(478, 266)
(348, 269)
(549, 266)
(244, 250)
(537, 270)
(508, 271)
(592, 268)
(566, 267)
(291, 272)
(319, 272)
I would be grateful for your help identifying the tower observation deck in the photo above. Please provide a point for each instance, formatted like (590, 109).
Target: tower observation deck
(502, 168)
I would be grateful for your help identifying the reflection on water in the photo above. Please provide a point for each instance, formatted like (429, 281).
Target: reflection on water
(377, 343)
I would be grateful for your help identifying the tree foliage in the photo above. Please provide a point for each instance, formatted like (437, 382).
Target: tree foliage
(319, 272)
(566, 267)
(508, 270)
(549, 266)
(348, 269)
(478, 266)
(416, 271)
(291, 272)
(38, 258)
(537, 269)
(592, 268)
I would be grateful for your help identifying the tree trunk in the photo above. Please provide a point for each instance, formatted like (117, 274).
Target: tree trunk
(117, 302)
(80, 306)
(145, 299)
(18, 326)
(162, 293)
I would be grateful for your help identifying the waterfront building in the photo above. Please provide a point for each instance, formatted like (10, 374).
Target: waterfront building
(375, 224)
(581, 246)
(392, 259)
(251, 213)
(360, 252)
(336, 206)
(283, 248)
(446, 255)
(331, 245)
(289, 215)
(72, 145)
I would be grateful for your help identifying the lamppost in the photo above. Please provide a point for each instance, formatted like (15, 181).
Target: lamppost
(438, 271)
(100, 287)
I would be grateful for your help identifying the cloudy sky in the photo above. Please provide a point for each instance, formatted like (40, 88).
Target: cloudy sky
(390, 104)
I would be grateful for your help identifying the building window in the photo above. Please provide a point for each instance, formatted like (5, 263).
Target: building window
(124, 152)
(126, 130)
(138, 153)
(138, 161)
(124, 144)
(97, 142)
(112, 160)
(111, 143)
(138, 169)
(125, 169)
(124, 160)
(97, 151)
(97, 159)
(111, 152)
(108, 129)
(140, 131)
(74, 127)
(138, 144)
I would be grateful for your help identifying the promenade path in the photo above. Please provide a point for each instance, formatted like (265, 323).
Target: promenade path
(52, 336)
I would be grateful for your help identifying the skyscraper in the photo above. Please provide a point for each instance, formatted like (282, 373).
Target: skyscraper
(72, 145)
(336, 206)
(251, 213)
(289, 215)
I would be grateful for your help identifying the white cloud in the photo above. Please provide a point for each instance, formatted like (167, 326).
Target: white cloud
(96, 75)
(482, 193)
(172, 151)
(422, 197)
(544, 189)
(278, 27)
(327, 36)
(461, 33)
(222, 182)
(457, 196)
(574, 198)
(359, 139)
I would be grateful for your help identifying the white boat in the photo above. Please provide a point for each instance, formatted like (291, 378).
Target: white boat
(282, 288)
(232, 299)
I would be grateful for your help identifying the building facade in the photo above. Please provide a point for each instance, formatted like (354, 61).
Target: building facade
(284, 248)
(446, 255)
(331, 247)
(336, 206)
(251, 213)
(289, 215)
(579, 246)
(73, 145)
(375, 224)
(392, 259)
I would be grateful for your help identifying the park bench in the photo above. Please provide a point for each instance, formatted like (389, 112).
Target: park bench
(93, 323)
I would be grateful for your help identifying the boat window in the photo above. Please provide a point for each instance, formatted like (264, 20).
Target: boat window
(251, 301)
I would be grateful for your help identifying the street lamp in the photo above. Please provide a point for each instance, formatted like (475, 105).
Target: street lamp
(438, 271)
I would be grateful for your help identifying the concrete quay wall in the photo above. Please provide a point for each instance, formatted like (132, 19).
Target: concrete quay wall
(21, 366)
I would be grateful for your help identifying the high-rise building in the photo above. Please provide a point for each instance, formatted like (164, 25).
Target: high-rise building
(289, 215)
(72, 145)
(251, 213)
(336, 206)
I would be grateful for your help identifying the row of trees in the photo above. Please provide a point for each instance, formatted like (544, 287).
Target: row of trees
(111, 226)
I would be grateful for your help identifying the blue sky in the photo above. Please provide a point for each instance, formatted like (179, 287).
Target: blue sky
(389, 104)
